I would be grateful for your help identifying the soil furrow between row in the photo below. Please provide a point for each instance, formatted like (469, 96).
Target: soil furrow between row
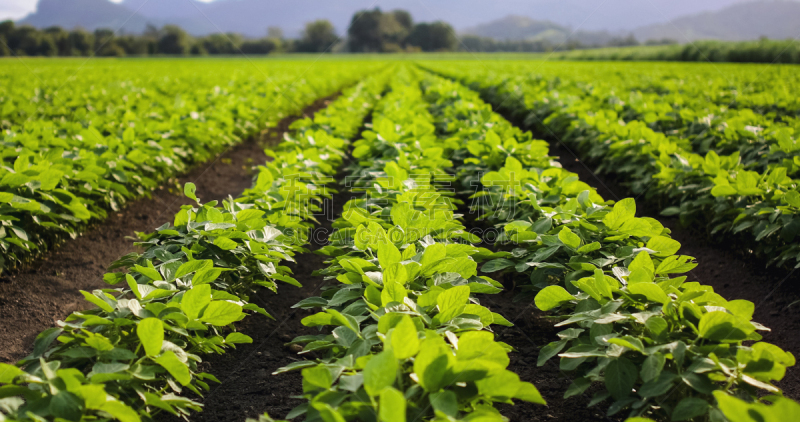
(47, 290)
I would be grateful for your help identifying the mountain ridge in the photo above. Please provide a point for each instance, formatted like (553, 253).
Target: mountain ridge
(776, 19)
(253, 17)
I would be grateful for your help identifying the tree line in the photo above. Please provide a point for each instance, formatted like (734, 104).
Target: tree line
(370, 31)
(169, 40)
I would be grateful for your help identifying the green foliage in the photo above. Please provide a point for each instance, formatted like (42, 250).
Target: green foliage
(318, 37)
(723, 150)
(761, 51)
(658, 345)
(76, 152)
(136, 353)
(407, 341)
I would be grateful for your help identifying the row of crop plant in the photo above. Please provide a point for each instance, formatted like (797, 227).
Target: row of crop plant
(114, 133)
(657, 345)
(408, 338)
(135, 353)
(747, 190)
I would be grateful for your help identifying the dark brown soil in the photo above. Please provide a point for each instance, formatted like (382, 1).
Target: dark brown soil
(248, 387)
(530, 333)
(727, 267)
(35, 297)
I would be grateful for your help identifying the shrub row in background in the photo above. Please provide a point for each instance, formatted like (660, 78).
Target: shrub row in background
(762, 51)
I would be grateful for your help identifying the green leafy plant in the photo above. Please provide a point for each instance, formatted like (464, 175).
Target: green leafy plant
(73, 152)
(672, 139)
(657, 344)
(408, 340)
(132, 356)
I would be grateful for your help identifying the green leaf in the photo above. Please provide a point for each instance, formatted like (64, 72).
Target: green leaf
(318, 319)
(453, 298)
(396, 273)
(496, 265)
(50, 179)
(114, 278)
(652, 366)
(432, 255)
(148, 272)
(663, 246)
(551, 297)
(643, 262)
(690, 408)
(405, 340)
(658, 386)
(175, 367)
(724, 327)
(66, 405)
(151, 333)
(657, 325)
(380, 372)
(529, 393)
(652, 292)
(519, 225)
(629, 342)
(502, 385)
(193, 266)
(723, 190)
(225, 243)
(393, 292)
(195, 300)
(220, 312)
(316, 378)
(481, 345)
(620, 377)
(392, 406)
(206, 276)
(623, 211)
(432, 364)
(8, 373)
(100, 303)
(591, 247)
(44, 340)
(445, 402)
(792, 198)
(549, 351)
(388, 255)
(567, 237)
(189, 190)
(120, 411)
(238, 338)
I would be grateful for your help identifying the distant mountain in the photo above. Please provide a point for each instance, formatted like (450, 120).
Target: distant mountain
(252, 17)
(165, 9)
(514, 27)
(518, 28)
(89, 14)
(746, 21)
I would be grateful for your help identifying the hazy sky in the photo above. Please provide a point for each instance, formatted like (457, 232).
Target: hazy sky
(587, 14)
(15, 9)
